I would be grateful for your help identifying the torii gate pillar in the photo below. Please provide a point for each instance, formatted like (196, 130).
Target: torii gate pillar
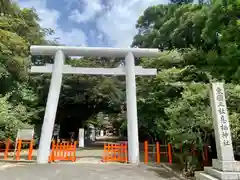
(56, 81)
(132, 120)
(51, 109)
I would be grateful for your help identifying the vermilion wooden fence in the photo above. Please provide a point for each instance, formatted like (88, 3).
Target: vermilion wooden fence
(63, 151)
(114, 152)
(157, 153)
(17, 149)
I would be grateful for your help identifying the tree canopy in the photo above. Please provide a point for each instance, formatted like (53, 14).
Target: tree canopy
(200, 44)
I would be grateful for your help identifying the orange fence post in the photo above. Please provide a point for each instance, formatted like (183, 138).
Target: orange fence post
(158, 152)
(74, 151)
(30, 150)
(145, 152)
(19, 146)
(169, 154)
(7, 146)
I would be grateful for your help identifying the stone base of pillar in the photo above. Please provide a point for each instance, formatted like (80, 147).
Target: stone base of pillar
(221, 170)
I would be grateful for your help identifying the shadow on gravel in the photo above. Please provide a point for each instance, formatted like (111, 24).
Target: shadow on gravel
(162, 172)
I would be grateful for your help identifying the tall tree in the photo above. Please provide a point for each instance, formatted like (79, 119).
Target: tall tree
(201, 45)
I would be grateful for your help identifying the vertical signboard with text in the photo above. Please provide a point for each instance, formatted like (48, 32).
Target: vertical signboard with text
(221, 123)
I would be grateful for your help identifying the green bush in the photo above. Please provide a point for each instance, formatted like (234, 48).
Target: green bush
(11, 118)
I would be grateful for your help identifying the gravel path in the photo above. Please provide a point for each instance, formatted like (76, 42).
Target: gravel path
(85, 172)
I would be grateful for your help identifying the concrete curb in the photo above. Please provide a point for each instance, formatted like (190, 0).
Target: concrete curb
(5, 166)
(18, 161)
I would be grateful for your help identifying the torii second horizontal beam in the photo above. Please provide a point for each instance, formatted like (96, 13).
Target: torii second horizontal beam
(93, 51)
(94, 71)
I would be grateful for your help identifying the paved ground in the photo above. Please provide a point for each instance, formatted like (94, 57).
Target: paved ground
(85, 172)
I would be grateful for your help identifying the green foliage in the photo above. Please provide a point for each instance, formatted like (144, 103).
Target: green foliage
(200, 44)
(18, 101)
(12, 118)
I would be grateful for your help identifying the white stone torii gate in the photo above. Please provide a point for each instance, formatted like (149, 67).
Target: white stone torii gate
(58, 69)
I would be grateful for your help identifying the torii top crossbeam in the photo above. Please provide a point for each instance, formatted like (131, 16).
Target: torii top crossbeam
(93, 51)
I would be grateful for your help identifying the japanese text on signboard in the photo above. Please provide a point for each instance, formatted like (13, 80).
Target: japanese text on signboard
(222, 111)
